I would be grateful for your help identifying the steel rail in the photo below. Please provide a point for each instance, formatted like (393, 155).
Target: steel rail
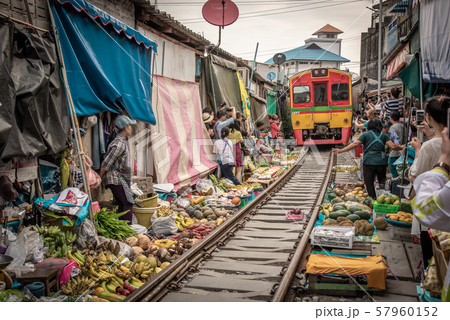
(289, 274)
(151, 288)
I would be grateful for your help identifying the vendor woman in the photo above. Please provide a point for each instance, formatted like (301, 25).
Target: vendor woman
(116, 168)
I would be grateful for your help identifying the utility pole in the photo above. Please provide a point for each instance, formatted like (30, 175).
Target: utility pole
(380, 36)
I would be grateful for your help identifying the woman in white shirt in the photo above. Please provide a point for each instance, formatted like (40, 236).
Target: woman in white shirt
(427, 155)
(224, 150)
(432, 203)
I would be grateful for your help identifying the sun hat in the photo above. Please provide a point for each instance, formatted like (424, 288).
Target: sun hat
(123, 121)
(207, 117)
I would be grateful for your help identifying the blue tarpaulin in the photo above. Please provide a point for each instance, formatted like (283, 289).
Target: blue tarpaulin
(108, 63)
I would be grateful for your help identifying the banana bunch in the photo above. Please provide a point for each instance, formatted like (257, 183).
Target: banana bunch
(57, 241)
(143, 267)
(78, 286)
(76, 256)
(326, 209)
(164, 212)
(164, 243)
(182, 222)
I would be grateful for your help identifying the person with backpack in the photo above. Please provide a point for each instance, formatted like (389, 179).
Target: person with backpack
(223, 147)
(375, 159)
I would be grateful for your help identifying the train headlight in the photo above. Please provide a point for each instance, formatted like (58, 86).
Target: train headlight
(297, 123)
(346, 120)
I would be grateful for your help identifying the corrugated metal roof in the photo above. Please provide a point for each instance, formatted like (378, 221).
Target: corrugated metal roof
(311, 54)
(328, 28)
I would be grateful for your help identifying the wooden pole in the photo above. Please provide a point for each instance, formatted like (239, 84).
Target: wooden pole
(73, 117)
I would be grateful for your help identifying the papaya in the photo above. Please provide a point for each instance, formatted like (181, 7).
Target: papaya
(363, 214)
(98, 291)
(353, 209)
(97, 299)
(339, 206)
(111, 296)
(353, 217)
(335, 214)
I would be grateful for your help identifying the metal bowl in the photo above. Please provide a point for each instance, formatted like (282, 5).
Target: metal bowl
(5, 260)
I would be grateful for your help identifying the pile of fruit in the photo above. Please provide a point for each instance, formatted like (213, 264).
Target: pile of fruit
(164, 212)
(209, 213)
(391, 200)
(346, 168)
(341, 215)
(59, 243)
(401, 216)
(348, 192)
(198, 230)
(183, 221)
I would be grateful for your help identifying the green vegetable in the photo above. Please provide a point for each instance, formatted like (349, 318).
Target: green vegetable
(405, 207)
(109, 226)
(5, 294)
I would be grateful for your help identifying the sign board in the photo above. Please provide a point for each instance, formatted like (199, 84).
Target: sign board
(271, 76)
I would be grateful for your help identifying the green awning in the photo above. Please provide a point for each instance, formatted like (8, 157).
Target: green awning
(411, 79)
(271, 98)
(221, 83)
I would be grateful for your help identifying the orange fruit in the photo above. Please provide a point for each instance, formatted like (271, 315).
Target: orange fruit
(236, 201)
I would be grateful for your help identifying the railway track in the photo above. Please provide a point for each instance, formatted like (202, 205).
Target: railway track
(254, 256)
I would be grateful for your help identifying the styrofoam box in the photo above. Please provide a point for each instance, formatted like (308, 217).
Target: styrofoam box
(333, 236)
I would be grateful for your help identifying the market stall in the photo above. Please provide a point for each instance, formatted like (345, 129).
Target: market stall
(68, 257)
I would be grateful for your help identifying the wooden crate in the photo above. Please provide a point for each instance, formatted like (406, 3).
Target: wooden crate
(338, 285)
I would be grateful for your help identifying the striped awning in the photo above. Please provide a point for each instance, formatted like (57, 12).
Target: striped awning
(398, 62)
(181, 146)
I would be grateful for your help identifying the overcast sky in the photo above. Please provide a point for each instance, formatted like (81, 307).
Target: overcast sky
(278, 25)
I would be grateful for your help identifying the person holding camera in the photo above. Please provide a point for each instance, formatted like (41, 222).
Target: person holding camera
(222, 120)
(371, 114)
(427, 155)
(393, 103)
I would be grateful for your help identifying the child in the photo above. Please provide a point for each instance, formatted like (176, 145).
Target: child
(224, 149)
(275, 127)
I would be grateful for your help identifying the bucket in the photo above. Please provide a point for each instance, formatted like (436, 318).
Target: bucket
(150, 202)
(144, 215)
(37, 289)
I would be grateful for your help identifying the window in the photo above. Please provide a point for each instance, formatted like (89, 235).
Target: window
(301, 94)
(339, 92)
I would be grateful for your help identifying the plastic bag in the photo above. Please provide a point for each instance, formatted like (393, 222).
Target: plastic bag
(125, 249)
(183, 202)
(227, 183)
(139, 229)
(17, 270)
(164, 225)
(94, 179)
(204, 185)
(22, 250)
(86, 233)
(68, 272)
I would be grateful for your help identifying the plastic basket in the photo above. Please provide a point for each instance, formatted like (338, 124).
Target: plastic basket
(144, 215)
(385, 208)
(149, 201)
(400, 224)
